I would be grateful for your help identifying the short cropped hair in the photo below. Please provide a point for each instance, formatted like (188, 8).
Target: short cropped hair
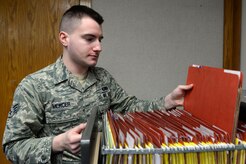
(72, 17)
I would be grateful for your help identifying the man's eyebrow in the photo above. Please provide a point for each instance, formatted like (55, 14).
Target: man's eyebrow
(92, 35)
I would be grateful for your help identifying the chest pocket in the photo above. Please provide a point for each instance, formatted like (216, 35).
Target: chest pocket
(62, 116)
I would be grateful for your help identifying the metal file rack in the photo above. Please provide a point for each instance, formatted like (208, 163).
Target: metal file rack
(230, 148)
(185, 149)
(87, 141)
(195, 149)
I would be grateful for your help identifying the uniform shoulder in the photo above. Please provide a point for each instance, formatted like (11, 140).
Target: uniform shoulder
(40, 76)
(44, 72)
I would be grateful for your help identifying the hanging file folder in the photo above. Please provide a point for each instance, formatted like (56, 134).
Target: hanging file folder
(206, 131)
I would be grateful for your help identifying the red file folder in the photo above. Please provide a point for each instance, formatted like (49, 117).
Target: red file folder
(215, 97)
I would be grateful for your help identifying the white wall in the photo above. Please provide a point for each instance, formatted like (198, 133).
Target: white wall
(149, 45)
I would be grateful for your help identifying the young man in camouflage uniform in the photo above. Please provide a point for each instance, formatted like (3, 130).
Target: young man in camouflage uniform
(51, 106)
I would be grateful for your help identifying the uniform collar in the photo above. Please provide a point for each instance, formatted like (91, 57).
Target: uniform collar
(61, 73)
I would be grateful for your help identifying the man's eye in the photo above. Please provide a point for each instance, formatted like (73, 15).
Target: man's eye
(92, 38)
(89, 39)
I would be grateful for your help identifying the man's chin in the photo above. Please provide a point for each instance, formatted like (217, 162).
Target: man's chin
(92, 64)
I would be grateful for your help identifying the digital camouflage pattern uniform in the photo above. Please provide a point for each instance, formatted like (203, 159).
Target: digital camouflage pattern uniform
(52, 101)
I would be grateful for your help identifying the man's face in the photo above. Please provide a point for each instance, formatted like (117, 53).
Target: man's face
(83, 44)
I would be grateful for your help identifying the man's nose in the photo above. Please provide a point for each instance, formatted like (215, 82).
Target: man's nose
(97, 46)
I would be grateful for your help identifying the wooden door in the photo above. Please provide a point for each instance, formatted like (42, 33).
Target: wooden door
(28, 42)
(232, 34)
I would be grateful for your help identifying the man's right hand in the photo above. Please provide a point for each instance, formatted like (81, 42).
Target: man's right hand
(69, 140)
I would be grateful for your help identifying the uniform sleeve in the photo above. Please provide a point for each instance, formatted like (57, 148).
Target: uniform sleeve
(122, 102)
(21, 142)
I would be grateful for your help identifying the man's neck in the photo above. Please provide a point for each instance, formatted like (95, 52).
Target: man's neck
(74, 68)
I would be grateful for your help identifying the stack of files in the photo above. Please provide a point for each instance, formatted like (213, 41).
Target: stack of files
(206, 131)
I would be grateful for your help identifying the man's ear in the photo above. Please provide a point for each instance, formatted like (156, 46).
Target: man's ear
(63, 37)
